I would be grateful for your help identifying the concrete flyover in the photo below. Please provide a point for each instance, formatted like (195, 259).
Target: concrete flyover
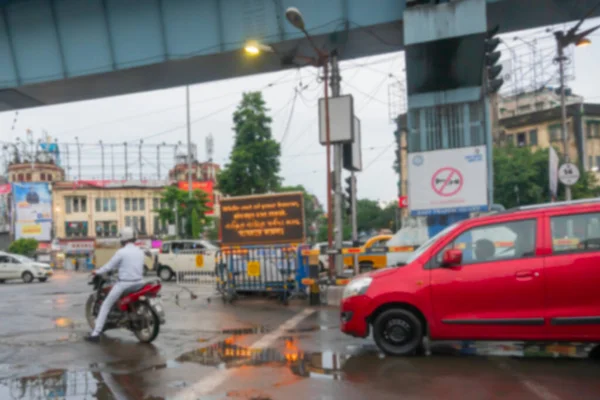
(55, 51)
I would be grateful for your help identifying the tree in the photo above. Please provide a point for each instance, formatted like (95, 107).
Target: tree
(368, 215)
(254, 162)
(521, 177)
(312, 209)
(26, 247)
(176, 207)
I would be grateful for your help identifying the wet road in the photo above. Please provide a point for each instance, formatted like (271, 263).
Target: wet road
(256, 349)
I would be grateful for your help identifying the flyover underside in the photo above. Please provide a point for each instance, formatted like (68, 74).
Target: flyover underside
(51, 55)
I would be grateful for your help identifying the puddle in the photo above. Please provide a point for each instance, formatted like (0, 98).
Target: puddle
(64, 322)
(70, 385)
(228, 354)
(246, 331)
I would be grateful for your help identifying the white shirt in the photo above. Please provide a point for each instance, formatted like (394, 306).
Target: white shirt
(129, 260)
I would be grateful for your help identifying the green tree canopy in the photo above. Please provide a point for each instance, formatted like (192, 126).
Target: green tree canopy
(191, 212)
(254, 165)
(518, 170)
(26, 247)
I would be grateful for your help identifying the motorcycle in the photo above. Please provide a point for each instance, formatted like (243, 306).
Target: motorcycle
(139, 309)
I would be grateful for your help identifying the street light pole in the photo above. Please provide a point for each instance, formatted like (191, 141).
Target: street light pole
(563, 40)
(295, 18)
(563, 105)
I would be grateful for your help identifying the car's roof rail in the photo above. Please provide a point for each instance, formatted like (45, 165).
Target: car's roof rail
(557, 204)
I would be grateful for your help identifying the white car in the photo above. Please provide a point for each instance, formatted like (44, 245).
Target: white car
(185, 255)
(15, 266)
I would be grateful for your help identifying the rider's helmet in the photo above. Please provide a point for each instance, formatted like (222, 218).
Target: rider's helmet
(127, 235)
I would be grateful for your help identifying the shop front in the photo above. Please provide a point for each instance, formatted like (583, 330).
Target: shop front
(76, 255)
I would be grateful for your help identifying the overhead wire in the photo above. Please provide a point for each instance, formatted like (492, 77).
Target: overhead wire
(378, 157)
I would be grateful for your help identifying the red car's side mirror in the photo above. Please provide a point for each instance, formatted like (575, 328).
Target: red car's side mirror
(452, 258)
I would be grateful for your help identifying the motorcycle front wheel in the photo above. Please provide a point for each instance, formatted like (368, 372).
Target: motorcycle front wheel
(89, 310)
(149, 321)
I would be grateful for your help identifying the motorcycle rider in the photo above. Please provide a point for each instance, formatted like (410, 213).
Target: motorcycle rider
(129, 260)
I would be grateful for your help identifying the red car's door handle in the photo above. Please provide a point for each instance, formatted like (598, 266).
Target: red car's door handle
(526, 275)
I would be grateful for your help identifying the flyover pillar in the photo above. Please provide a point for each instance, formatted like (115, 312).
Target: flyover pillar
(448, 118)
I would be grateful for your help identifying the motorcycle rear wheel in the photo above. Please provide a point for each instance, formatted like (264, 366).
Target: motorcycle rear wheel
(149, 332)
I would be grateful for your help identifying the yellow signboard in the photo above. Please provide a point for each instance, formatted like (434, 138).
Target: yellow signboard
(199, 261)
(253, 268)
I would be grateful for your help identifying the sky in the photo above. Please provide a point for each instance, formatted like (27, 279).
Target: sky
(291, 96)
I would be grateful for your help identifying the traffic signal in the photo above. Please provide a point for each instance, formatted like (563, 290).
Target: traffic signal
(349, 195)
(492, 68)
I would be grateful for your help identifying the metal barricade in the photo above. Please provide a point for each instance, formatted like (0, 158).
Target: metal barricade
(195, 270)
(272, 269)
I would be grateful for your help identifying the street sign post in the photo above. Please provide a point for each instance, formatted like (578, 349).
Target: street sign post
(568, 174)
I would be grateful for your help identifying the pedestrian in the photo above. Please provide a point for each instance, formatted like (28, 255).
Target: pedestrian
(129, 261)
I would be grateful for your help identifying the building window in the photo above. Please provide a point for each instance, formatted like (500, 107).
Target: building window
(597, 165)
(510, 139)
(555, 132)
(128, 222)
(539, 105)
(28, 177)
(155, 203)
(49, 177)
(75, 204)
(42, 176)
(533, 139)
(142, 226)
(21, 177)
(106, 204)
(76, 229)
(107, 229)
(593, 129)
(591, 162)
(135, 204)
(521, 139)
(160, 227)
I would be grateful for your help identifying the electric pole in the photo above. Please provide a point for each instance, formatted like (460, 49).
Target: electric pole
(140, 160)
(102, 156)
(189, 140)
(126, 166)
(78, 158)
(337, 173)
(158, 161)
(112, 160)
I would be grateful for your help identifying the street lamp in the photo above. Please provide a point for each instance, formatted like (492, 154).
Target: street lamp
(254, 48)
(294, 16)
(564, 40)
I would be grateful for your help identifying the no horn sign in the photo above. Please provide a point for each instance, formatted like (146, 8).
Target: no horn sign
(447, 181)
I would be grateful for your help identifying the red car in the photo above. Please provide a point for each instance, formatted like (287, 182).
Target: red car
(528, 274)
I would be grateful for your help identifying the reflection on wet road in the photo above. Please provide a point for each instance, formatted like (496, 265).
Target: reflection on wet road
(43, 356)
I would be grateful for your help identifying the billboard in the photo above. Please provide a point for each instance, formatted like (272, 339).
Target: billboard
(5, 208)
(33, 210)
(205, 186)
(447, 181)
(263, 219)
